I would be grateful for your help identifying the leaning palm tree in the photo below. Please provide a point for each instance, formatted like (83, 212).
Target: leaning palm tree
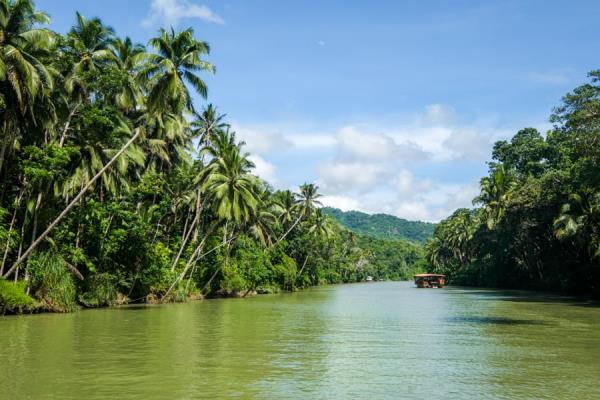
(319, 226)
(72, 204)
(306, 202)
(230, 191)
(177, 63)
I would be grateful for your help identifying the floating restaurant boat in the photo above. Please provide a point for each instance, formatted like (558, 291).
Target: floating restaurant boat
(430, 280)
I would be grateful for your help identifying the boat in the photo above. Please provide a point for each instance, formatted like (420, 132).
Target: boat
(369, 278)
(430, 280)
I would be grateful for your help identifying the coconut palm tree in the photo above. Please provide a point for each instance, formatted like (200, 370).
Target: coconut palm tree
(206, 126)
(90, 47)
(286, 204)
(130, 58)
(264, 219)
(320, 227)
(230, 191)
(496, 192)
(177, 63)
(24, 73)
(306, 202)
(230, 186)
(581, 217)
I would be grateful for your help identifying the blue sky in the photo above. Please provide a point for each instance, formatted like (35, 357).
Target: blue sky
(390, 106)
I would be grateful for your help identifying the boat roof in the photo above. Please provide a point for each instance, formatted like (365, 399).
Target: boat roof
(426, 275)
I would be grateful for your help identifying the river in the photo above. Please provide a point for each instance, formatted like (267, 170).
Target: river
(383, 340)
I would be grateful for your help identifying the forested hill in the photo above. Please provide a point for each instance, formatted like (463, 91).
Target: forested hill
(382, 225)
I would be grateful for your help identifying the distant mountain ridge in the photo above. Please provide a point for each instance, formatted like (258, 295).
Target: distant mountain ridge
(382, 226)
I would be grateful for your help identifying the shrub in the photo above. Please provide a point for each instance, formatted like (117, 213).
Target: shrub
(52, 282)
(13, 298)
(100, 291)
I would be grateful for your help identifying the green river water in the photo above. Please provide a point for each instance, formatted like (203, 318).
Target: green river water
(372, 340)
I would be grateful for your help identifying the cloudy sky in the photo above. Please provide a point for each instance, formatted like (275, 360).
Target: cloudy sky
(389, 106)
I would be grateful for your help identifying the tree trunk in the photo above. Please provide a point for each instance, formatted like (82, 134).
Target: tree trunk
(106, 231)
(289, 230)
(3, 151)
(67, 125)
(299, 273)
(10, 229)
(185, 239)
(20, 246)
(71, 205)
(214, 275)
(198, 210)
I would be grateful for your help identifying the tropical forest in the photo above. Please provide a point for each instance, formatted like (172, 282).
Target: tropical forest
(536, 223)
(261, 199)
(117, 188)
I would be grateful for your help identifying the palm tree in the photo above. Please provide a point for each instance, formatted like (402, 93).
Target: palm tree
(90, 46)
(306, 202)
(129, 59)
(91, 43)
(496, 192)
(581, 216)
(24, 73)
(177, 62)
(206, 126)
(70, 206)
(286, 204)
(94, 153)
(230, 186)
(230, 190)
(320, 226)
(263, 219)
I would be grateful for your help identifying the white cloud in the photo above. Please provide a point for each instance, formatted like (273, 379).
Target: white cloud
(170, 12)
(471, 145)
(551, 78)
(356, 145)
(413, 210)
(438, 114)
(312, 140)
(412, 167)
(262, 140)
(344, 203)
(353, 176)
(264, 169)
(408, 187)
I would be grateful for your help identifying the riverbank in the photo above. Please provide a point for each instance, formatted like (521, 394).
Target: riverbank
(21, 304)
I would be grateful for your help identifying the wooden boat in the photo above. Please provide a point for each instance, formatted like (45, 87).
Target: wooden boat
(430, 280)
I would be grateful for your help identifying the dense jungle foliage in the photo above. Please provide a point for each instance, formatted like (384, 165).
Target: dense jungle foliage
(538, 220)
(382, 226)
(115, 187)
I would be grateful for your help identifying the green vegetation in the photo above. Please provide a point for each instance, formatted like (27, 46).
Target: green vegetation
(13, 298)
(382, 226)
(116, 188)
(538, 224)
